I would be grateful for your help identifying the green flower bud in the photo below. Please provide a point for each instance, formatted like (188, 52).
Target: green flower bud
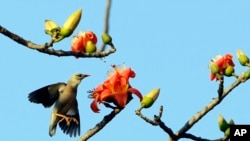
(229, 70)
(231, 122)
(90, 47)
(214, 68)
(227, 132)
(222, 123)
(150, 98)
(247, 74)
(71, 23)
(106, 38)
(242, 57)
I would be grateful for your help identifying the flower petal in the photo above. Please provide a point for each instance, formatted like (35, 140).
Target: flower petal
(121, 99)
(106, 95)
(94, 106)
(89, 36)
(136, 92)
(77, 45)
(128, 73)
(212, 76)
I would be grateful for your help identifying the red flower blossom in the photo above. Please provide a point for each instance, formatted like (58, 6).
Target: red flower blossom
(220, 63)
(79, 42)
(115, 89)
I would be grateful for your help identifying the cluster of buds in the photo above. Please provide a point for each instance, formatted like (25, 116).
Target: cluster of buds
(224, 126)
(221, 65)
(224, 65)
(59, 33)
(84, 42)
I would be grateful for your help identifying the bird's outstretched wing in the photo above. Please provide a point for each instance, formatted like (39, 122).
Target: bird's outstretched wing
(73, 128)
(47, 95)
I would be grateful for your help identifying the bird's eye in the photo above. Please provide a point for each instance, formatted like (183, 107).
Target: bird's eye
(80, 75)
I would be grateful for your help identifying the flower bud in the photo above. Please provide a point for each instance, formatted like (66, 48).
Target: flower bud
(50, 27)
(150, 98)
(231, 122)
(88, 36)
(227, 132)
(247, 74)
(71, 23)
(90, 47)
(214, 68)
(106, 38)
(222, 123)
(229, 70)
(242, 57)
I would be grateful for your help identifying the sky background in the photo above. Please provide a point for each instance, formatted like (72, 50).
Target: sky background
(167, 43)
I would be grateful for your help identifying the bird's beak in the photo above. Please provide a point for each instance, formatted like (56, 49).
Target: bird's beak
(86, 75)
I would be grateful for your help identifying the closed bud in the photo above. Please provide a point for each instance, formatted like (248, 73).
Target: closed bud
(106, 38)
(149, 99)
(242, 57)
(214, 68)
(90, 47)
(231, 122)
(229, 71)
(71, 23)
(227, 132)
(247, 74)
(222, 123)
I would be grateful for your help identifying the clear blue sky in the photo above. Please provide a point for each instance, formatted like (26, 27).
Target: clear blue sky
(168, 44)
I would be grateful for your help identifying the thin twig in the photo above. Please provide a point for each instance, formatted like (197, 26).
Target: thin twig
(195, 138)
(59, 53)
(154, 121)
(106, 21)
(106, 18)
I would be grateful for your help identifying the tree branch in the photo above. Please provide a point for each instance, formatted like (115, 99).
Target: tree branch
(100, 125)
(105, 120)
(153, 122)
(50, 51)
(211, 105)
(157, 122)
(182, 132)
(20, 40)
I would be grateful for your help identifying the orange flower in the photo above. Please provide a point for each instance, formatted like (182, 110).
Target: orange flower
(79, 42)
(89, 36)
(115, 89)
(220, 63)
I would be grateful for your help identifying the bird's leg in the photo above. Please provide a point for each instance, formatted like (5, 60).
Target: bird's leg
(67, 119)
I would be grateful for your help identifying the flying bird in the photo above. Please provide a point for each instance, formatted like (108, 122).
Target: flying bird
(65, 111)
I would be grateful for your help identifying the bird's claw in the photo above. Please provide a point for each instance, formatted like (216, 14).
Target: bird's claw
(67, 119)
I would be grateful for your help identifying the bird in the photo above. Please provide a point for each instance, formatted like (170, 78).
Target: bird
(65, 111)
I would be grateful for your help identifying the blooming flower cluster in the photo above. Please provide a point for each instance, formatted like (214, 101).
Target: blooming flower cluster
(115, 89)
(221, 65)
(84, 42)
